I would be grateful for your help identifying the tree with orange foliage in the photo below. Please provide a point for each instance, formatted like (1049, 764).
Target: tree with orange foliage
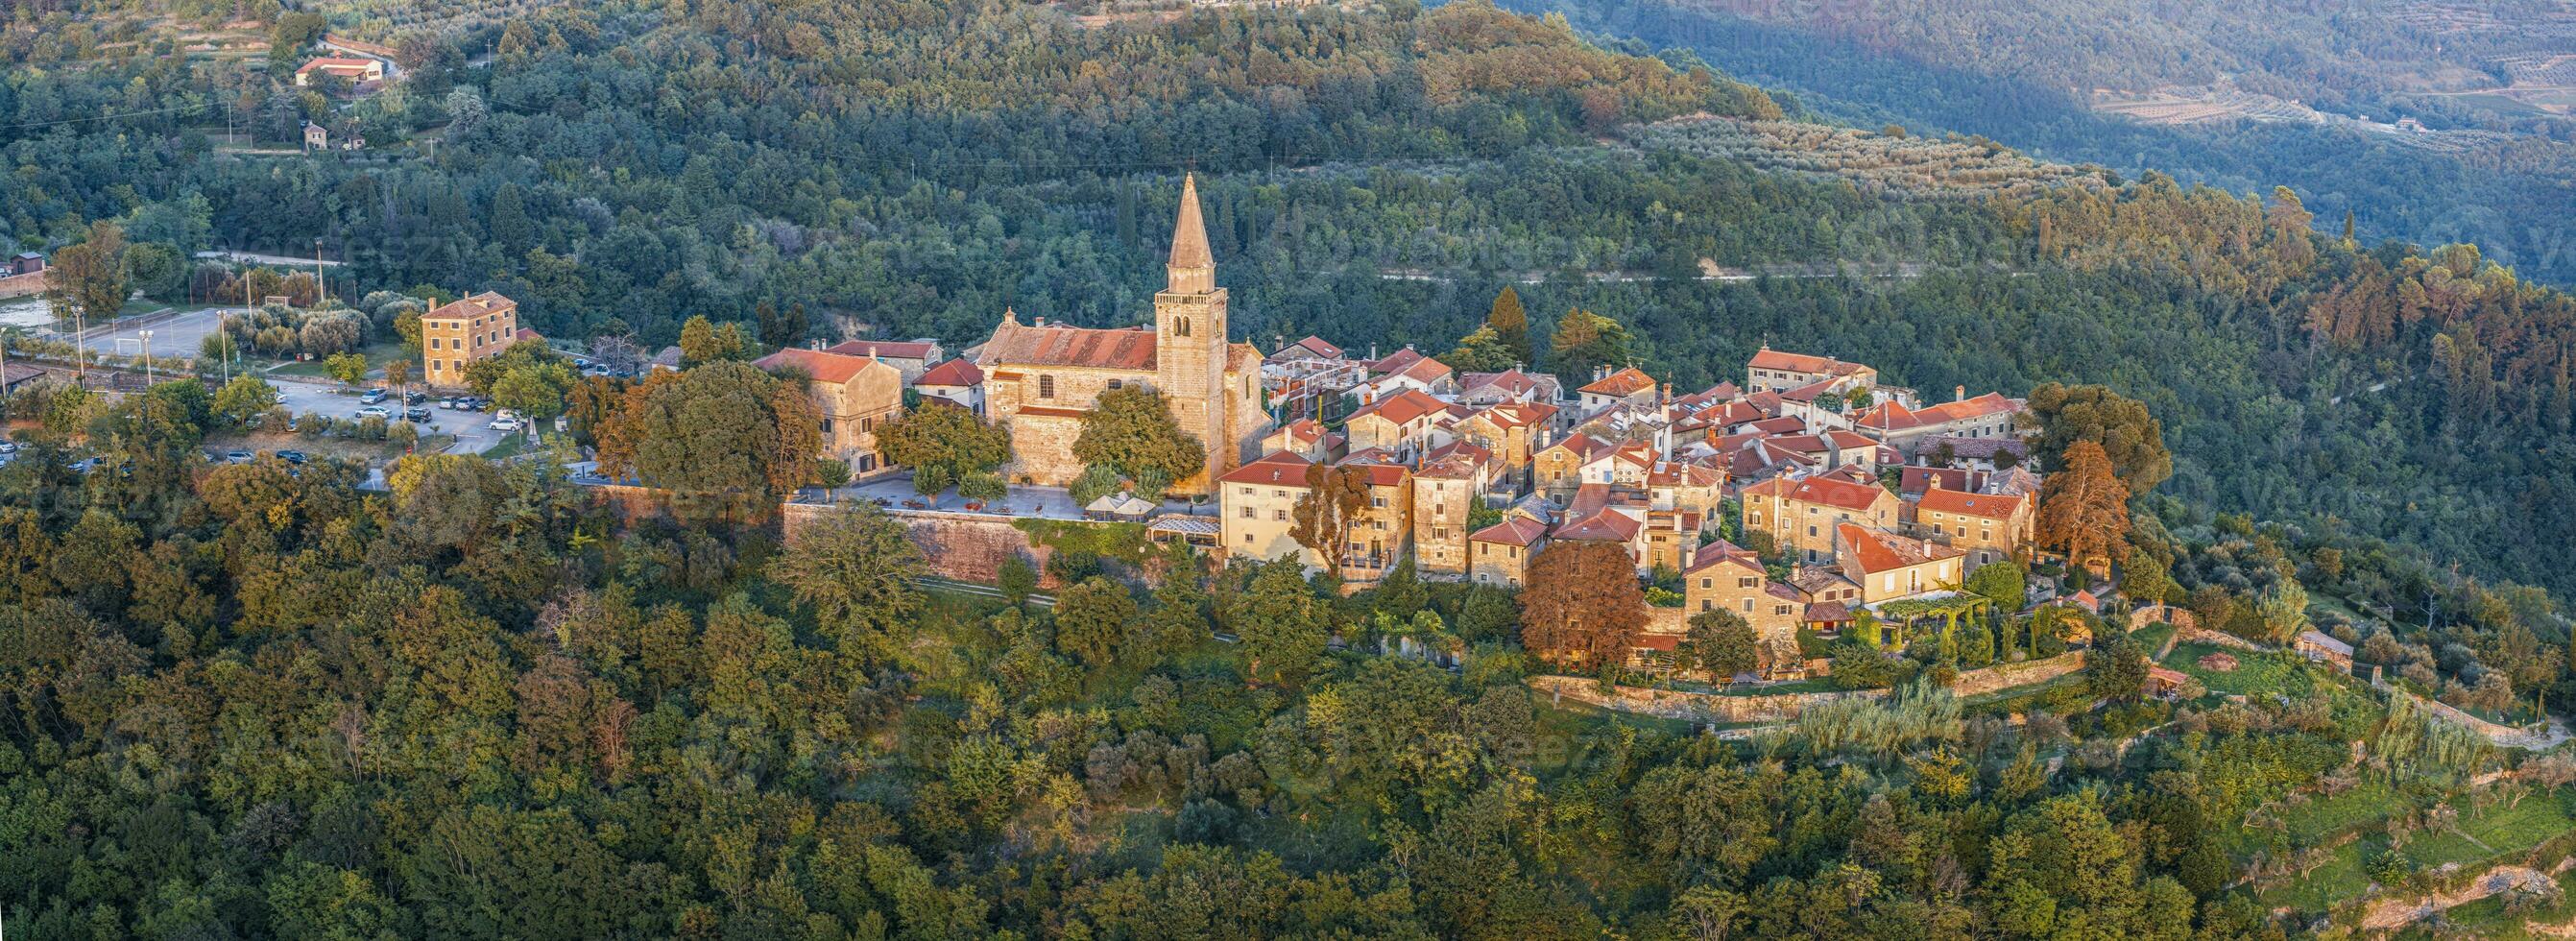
(2084, 508)
(1582, 604)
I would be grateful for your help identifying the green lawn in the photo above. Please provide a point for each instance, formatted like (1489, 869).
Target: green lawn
(2152, 637)
(2255, 673)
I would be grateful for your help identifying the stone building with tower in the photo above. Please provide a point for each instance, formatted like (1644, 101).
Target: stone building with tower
(1041, 378)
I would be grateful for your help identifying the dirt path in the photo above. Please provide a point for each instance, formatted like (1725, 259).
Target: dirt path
(2397, 913)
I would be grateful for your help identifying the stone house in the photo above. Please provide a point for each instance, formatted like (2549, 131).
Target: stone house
(1400, 423)
(852, 396)
(456, 334)
(1801, 514)
(912, 358)
(1607, 390)
(1499, 555)
(1776, 371)
(1560, 468)
(1448, 485)
(1726, 577)
(1257, 500)
(1888, 567)
(1989, 527)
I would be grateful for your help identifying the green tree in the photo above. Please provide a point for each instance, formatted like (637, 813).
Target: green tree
(244, 398)
(725, 438)
(87, 281)
(855, 566)
(349, 368)
(1722, 643)
(1132, 431)
(1281, 624)
(2003, 582)
(2083, 507)
(1481, 351)
(701, 342)
(941, 434)
(1585, 340)
(1093, 620)
(2130, 437)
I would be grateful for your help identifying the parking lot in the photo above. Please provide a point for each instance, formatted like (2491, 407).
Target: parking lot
(336, 401)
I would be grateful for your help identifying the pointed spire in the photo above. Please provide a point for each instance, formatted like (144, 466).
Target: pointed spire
(1193, 268)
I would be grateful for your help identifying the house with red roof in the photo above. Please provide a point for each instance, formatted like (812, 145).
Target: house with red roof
(913, 358)
(1398, 422)
(957, 380)
(1510, 385)
(1779, 371)
(1256, 503)
(1447, 487)
(1909, 429)
(1888, 567)
(1801, 514)
(1499, 555)
(1412, 372)
(1569, 463)
(1988, 527)
(1727, 577)
(853, 396)
(1610, 389)
(349, 69)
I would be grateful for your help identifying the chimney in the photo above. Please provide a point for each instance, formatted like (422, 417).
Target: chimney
(1010, 318)
(1958, 393)
(872, 351)
(816, 343)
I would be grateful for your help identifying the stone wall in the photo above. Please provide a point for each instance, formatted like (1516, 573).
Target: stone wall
(1989, 679)
(23, 285)
(967, 547)
(1693, 707)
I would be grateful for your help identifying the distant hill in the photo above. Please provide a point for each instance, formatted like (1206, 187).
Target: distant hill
(2430, 123)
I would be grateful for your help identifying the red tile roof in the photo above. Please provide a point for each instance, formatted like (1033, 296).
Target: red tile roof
(884, 349)
(823, 366)
(1606, 525)
(1515, 414)
(1279, 468)
(488, 302)
(1397, 361)
(1880, 551)
(1516, 530)
(1015, 344)
(1509, 381)
(1425, 370)
(1821, 490)
(1971, 504)
(955, 372)
(1402, 407)
(1310, 346)
(1624, 383)
(1792, 362)
(1783, 425)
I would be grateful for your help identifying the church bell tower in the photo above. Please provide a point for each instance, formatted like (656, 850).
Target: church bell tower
(1189, 336)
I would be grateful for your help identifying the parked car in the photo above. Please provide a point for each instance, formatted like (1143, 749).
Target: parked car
(8, 447)
(238, 457)
(415, 397)
(417, 414)
(291, 457)
(376, 411)
(447, 401)
(372, 396)
(504, 424)
(83, 465)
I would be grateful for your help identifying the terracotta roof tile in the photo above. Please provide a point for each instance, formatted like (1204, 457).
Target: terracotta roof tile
(1056, 345)
(1281, 467)
(824, 367)
(885, 349)
(955, 372)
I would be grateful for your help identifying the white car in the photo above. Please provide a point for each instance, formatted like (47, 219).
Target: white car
(504, 424)
(376, 411)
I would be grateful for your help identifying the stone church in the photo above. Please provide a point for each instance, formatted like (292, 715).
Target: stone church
(1041, 378)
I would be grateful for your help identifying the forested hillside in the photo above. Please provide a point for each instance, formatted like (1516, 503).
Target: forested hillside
(2240, 96)
(890, 169)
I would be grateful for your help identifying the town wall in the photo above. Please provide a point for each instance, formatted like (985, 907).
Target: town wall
(967, 547)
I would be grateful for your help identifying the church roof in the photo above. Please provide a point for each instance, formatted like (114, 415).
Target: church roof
(1189, 234)
(1016, 344)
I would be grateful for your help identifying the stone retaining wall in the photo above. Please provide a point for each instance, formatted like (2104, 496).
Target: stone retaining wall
(1984, 680)
(1693, 707)
(968, 547)
(23, 285)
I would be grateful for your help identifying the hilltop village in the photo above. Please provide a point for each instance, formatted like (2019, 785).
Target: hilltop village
(1806, 494)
